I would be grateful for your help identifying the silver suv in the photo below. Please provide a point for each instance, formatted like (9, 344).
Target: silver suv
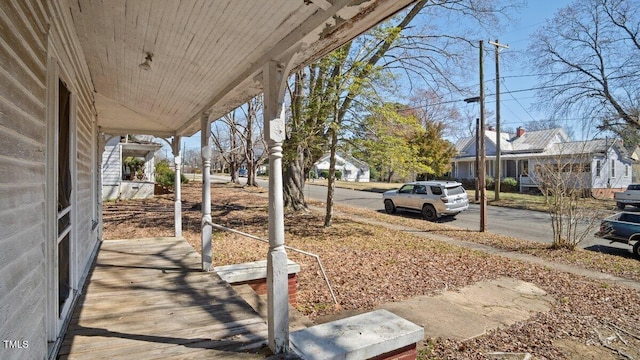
(432, 198)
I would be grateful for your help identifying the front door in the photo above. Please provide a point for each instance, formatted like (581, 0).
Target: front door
(61, 212)
(65, 206)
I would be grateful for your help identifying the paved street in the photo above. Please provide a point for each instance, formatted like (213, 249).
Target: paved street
(522, 224)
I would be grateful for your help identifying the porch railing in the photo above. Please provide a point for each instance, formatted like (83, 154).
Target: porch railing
(326, 279)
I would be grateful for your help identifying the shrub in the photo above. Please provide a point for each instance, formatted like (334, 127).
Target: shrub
(469, 184)
(490, 182)
(509, 184)
(324, 174)
(165, 176)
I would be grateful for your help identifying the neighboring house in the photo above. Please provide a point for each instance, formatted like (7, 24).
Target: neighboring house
(73, 70)
(635, 155)
(119, 181)
(604, 164)
(351, 168)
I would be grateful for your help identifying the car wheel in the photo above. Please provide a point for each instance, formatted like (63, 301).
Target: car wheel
(389, 207)
(429, 212)
(620, 206)
(636, 249)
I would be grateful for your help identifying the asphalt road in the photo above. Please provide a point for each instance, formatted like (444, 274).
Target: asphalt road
(522, 224)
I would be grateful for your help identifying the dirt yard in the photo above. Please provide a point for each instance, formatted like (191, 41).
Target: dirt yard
(369, 265)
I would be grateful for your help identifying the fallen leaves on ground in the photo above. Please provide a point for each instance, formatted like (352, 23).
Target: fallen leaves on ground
(369, 264)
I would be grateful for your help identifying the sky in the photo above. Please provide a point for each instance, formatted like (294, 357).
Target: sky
(515, 104)
(515, 108)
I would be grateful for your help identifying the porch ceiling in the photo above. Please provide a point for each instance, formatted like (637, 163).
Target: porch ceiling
(207, 54)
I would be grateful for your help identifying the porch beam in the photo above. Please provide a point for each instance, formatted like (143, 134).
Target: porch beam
(207, 230)
(274, 76)
(177, 185)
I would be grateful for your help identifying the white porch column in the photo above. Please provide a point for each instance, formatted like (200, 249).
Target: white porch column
(277, 277)
(207, 230)
(177, 209)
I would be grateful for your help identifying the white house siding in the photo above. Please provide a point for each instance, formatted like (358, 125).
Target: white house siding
(604, 181)
(111, 171)
(24, 32)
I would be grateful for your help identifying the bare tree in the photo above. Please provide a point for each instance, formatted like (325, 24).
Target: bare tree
(192, 159)
(565, 180)
(226, 139)
(589, 58)
(251, 135)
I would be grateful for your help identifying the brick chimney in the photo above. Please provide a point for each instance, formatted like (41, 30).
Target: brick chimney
(519, 131)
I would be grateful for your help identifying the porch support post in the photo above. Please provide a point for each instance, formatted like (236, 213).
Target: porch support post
(274, 79)
(177, 209)
(207, 230)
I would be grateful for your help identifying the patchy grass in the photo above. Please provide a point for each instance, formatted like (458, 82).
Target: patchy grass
(620, 266)
(369, 264)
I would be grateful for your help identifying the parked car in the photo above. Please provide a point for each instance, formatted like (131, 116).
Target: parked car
(242, 172)
(631, 196)
(432, 198)
(622, 227)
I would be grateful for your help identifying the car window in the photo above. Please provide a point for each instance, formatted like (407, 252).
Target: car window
(455, 190)
(436, 190)
(421, 189)
(634, 187)
(407, 189)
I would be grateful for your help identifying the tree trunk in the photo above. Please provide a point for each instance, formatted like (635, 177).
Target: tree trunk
(331, 184)
(293, 183)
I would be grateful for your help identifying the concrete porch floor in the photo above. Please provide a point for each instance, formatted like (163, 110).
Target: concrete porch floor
(148, 299)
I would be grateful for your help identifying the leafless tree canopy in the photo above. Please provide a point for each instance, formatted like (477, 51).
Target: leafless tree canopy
(588, 56)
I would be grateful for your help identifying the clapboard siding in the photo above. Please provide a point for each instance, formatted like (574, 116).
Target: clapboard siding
(111, 165)
(27, 30)
(17, 146)
(32, 301)
(17, 171)
(20, 120)
(22, 179)
(29, 194)
(75, 72)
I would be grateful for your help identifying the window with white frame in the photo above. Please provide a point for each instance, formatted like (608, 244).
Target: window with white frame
(626, 171)
(613, 168)
(598, 167)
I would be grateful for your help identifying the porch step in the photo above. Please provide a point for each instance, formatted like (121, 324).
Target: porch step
(254, 274)
(240, 273)
(378, 334)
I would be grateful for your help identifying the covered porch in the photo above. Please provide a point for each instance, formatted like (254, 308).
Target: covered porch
(148, 298)
(174, 76)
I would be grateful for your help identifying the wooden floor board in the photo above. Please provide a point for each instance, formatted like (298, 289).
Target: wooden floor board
(147, 299)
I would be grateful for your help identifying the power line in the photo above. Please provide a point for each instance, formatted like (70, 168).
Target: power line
(519, 103)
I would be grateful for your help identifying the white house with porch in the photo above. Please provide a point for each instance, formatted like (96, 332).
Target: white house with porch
(351, 168)
(74, 70)
(119, 181)
(604, 164)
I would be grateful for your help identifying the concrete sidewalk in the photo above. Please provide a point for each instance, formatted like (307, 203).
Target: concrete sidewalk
(473, 310)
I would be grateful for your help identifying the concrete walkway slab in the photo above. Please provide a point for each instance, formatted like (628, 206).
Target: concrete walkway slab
(473, 310)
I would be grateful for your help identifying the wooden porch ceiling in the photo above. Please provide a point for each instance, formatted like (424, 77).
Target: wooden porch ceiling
(206, 54)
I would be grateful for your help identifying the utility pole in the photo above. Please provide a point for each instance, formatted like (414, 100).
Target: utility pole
(483, 156)
(477, 158)
(497, 165)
